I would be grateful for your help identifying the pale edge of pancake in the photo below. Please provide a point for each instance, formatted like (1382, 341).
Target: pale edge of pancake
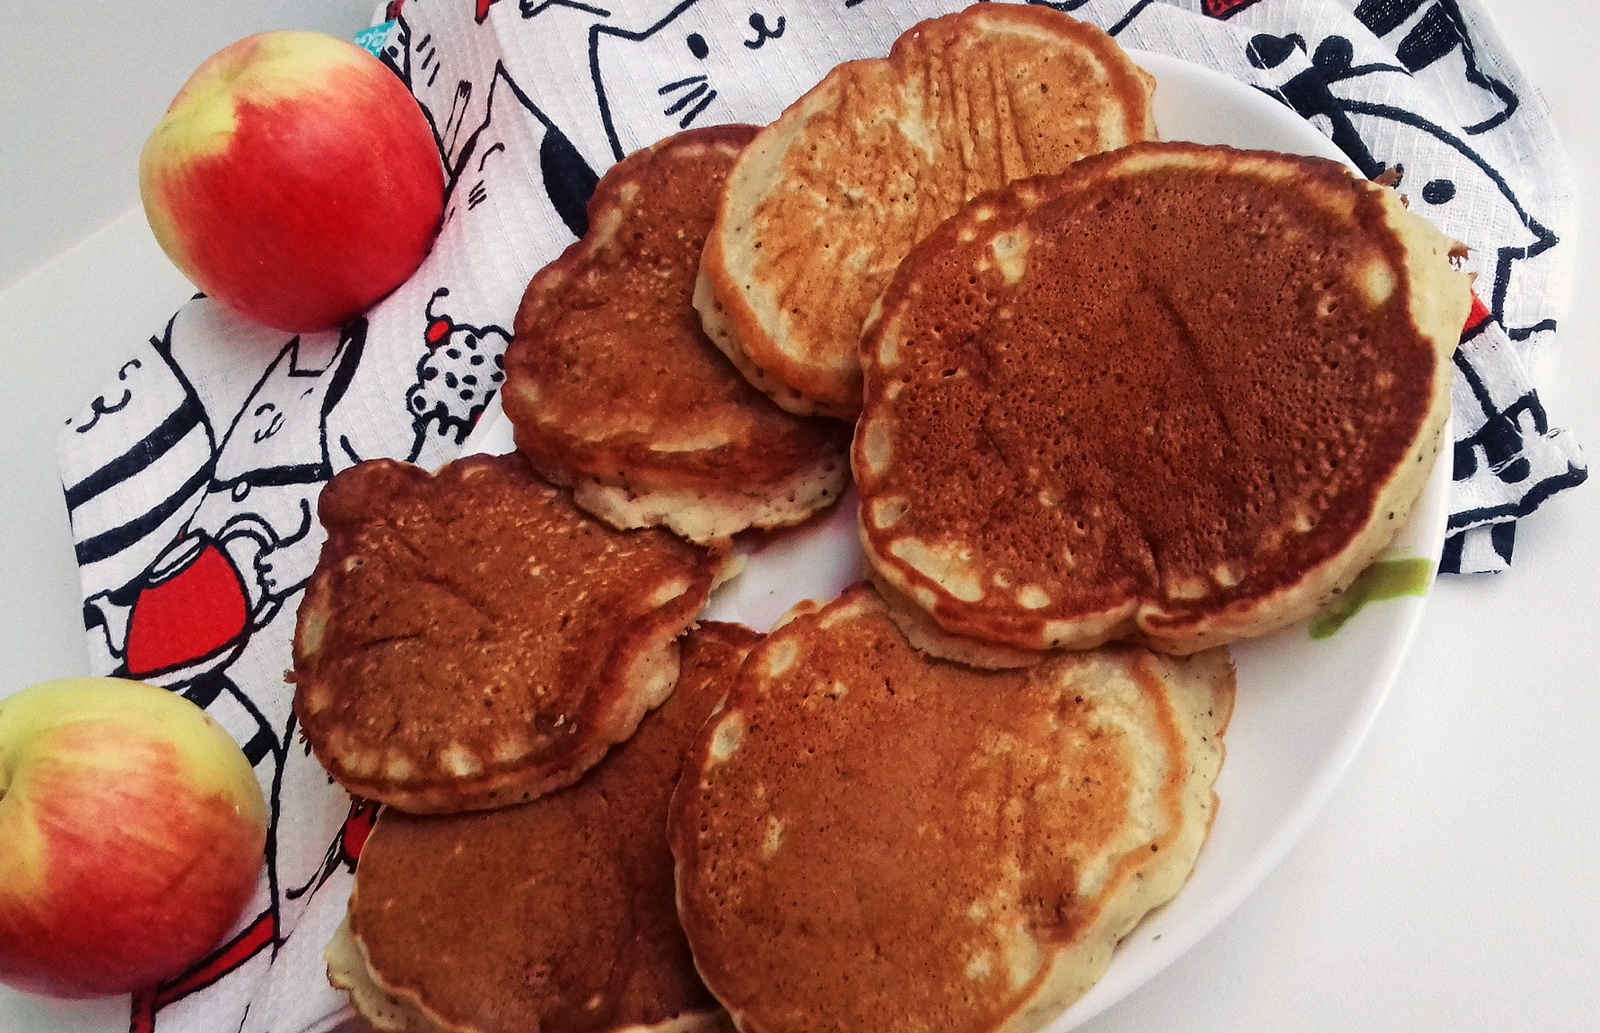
(640, 680)
(741, 315)
(708, 516)
(1200, 693)
(925, 634)
(393, 1010)
(385, 1009)
(716, 319)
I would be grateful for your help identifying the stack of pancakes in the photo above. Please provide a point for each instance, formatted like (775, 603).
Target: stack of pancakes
(1103, 389)
(584, 934)
(614, 389)
(829, 198)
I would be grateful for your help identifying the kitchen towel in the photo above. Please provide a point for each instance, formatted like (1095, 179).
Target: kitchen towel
(192, 480)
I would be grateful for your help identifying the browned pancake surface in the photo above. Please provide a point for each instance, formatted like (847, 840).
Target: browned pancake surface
(611, 376)
(871, 839)
(557, 915)
(832, 196)
(1165, 385)
(473, 639)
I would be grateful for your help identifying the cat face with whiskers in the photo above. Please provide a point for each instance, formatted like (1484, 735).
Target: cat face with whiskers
(709, 64)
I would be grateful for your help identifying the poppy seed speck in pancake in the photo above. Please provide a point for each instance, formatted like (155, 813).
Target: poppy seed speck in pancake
(472, 639)
(586, 937)
(1177, 395)
(868, 838)
(827, 200)
(614, 389)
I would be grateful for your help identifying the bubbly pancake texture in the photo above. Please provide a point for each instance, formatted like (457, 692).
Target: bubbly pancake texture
(1177, 395)
(614, 389)
(554, 916)
(472, 639)
(827, 200)
(869, 838)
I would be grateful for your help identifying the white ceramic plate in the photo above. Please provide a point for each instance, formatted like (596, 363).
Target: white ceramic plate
(1304, 705)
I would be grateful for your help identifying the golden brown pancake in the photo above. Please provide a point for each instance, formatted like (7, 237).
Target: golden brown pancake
(614, 389)
(472, 639)
(1177, 395)
(553, 916)
(827, 200)
(869, 838)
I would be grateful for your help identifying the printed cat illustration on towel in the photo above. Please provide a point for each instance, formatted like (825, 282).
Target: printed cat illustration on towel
(713, 63)
(1430, 40)
(212, 531)
(456, 88)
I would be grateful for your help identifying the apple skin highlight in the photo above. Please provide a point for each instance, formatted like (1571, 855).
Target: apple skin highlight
(131, 836)
(295, 179)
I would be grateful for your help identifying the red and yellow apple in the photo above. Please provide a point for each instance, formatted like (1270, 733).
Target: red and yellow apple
(131, 836)
(295, 179)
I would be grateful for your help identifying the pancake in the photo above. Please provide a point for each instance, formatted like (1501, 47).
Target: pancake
(614, 389)
(554, 916)
(869, 838)
(473, 639)
(827, 200)
(380, 1010)
(1177, 395)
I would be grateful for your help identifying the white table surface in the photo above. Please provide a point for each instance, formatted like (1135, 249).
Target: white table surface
(1452, 884)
